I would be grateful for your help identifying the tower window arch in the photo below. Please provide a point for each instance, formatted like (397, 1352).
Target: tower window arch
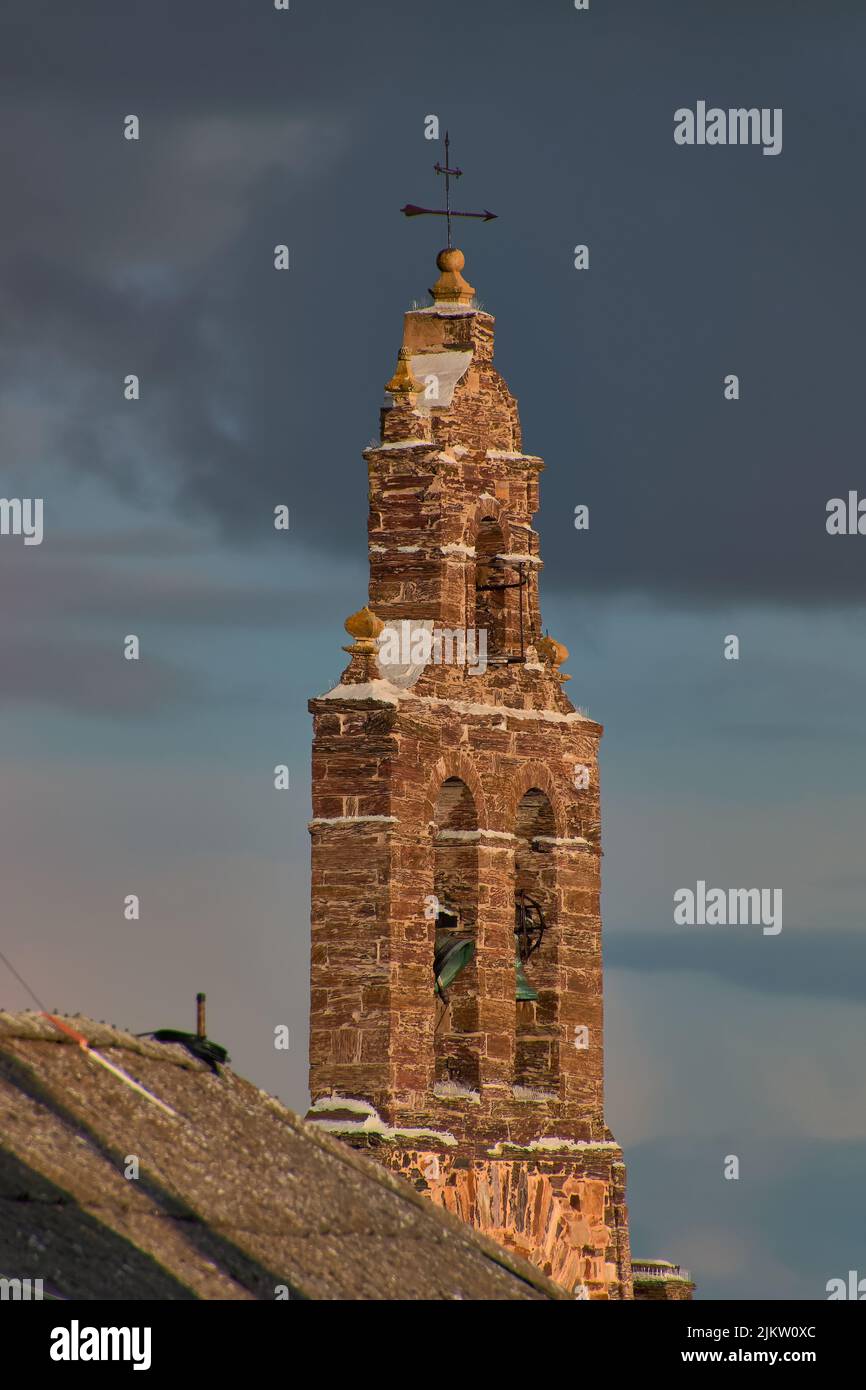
(490, 596)
(455, 971)
(537, 986)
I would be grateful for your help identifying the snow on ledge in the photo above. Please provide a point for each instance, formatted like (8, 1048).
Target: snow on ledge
(401, 444)
(446, 310)
(532, 1093)
(381, 691)
(371, 1123)
(452, 1090)
(350, 820)
(548, 1146)
(560, 840)
(335, 1101)
(458, 548)
(550, 716)
(471, 835)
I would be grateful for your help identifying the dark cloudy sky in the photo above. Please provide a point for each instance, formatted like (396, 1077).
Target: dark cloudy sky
(707, 518)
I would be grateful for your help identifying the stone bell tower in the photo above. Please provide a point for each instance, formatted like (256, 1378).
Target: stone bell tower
(456, 1028)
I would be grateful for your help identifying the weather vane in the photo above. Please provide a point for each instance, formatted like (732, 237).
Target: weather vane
(412, 210)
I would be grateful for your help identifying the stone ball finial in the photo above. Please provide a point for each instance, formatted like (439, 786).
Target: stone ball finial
(451, 288)
(364, 625)
(452, 258)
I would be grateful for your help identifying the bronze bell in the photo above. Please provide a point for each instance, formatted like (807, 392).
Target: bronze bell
(529, 928)
(525, 992)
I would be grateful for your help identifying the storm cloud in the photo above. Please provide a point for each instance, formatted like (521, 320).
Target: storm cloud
(155, 257)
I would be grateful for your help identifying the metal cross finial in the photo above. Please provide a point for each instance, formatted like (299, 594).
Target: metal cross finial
(448, 172)
(412, 210)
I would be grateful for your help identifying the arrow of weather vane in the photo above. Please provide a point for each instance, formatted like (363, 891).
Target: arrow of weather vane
(412, 209)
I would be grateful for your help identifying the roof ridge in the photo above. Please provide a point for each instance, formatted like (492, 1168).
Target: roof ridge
(31, 1025)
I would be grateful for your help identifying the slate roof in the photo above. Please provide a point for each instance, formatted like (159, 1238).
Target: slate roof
(236, 1194)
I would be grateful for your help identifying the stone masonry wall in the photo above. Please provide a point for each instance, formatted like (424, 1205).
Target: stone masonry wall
(567, 1216)
(377, 771)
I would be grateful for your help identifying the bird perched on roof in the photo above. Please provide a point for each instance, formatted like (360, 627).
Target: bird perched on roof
(202, 1048)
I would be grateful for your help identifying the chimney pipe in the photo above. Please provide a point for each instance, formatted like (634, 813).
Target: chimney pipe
(200, 1025)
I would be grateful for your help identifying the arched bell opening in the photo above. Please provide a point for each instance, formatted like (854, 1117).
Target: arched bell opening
(455, 970)
(535, 940)
(491, 597)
